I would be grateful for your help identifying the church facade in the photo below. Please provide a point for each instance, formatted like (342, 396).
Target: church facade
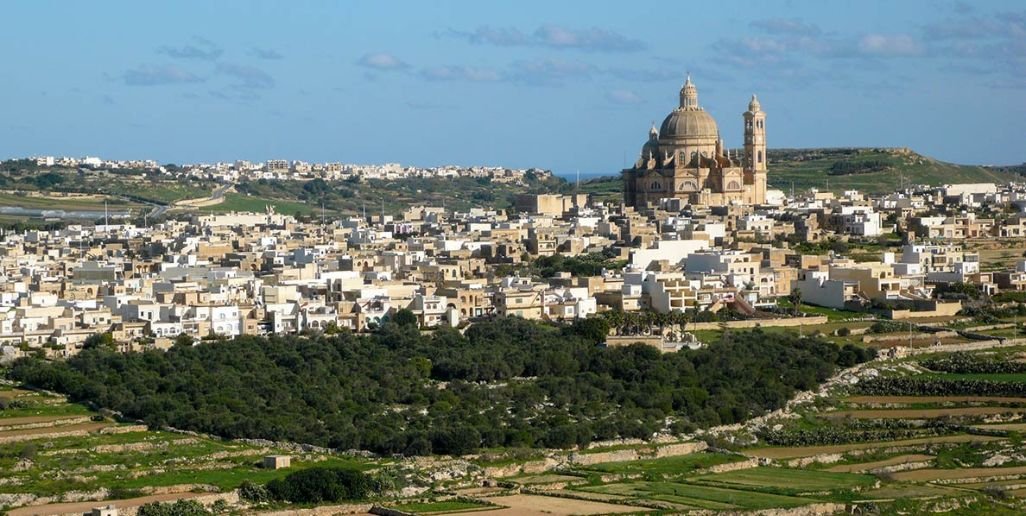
(686, 159)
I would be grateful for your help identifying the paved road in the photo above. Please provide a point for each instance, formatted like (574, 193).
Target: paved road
(221, 190)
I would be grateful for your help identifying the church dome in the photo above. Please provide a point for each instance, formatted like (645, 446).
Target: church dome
(689, 123)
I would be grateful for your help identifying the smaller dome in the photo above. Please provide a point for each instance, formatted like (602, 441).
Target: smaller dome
(650, 149)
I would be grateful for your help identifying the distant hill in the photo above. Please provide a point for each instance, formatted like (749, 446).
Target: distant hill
(874, 170)
(871, 170)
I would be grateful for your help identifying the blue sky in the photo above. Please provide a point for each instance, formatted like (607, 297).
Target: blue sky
(561, 85)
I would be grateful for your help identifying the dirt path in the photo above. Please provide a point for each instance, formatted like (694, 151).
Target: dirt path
(83, 507)
(50, 432)
(13, 393)
(927, 475)
(1018, 427)
(31, 420)
(521, 504)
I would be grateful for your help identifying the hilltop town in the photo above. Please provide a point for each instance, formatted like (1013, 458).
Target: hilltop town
(697, 232)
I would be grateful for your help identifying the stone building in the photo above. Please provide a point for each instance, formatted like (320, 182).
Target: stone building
(686, 159)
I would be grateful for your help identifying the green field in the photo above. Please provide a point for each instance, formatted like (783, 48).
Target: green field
(788, 481)
(120, 456)
(994, 377)
(439, 507)
(700, 496)
(55, 202)
(604, 189)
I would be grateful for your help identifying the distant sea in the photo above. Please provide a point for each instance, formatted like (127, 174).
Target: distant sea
(572, 176)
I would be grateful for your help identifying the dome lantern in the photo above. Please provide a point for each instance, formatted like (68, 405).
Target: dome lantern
(689, 95)
(754, 105)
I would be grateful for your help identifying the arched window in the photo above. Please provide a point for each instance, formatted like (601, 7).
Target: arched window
(656, 186)
(688, 186)
(733, 185)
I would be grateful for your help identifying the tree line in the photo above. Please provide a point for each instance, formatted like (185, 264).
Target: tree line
(506, 382)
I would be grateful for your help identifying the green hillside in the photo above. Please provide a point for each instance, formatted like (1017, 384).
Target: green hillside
(872, 170)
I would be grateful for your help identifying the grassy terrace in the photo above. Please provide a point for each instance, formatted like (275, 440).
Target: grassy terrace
(121, 457)
(58, 202)
(440, 506)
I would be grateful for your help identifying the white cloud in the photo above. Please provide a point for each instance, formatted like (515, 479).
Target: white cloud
(890, 45)
(382, 61)
(624, 97)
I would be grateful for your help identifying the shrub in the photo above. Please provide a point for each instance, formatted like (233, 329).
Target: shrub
(253, 492)
(886, 327)
(317, 485)
(969, 363)
(907, 386)
(178, 508)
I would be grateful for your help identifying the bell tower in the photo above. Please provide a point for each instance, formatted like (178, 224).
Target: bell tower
(755, 136)
(756, 161)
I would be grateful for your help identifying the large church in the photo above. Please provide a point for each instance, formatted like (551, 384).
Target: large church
(686, 159)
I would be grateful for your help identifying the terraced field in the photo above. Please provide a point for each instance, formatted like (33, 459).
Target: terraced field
(695, 496)
(892, 452)
(795, 452)
(926, 413)
(54, 452)
(879, 464)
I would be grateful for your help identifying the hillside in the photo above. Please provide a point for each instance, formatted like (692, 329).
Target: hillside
(871, 170)
(24, 185)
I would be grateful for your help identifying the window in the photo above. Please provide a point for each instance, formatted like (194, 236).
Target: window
(760, 156)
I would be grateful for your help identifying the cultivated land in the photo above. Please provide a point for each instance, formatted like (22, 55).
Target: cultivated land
(891, 450)
(54, 452)
(932, 457)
